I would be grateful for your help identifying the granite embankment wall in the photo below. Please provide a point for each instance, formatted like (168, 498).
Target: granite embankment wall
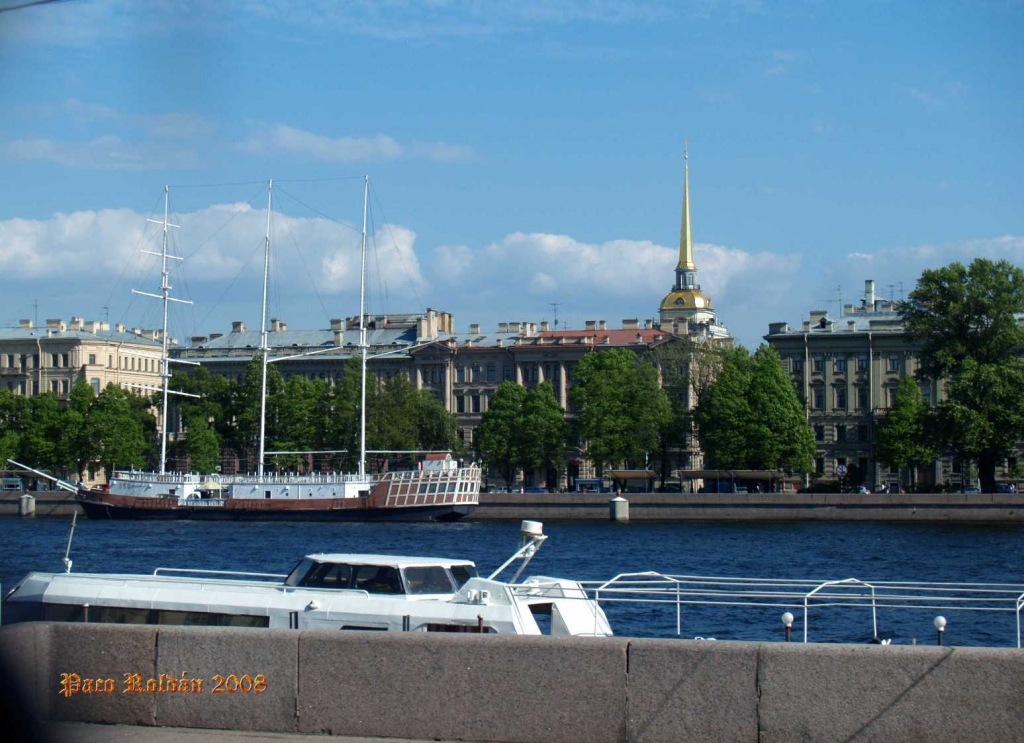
(757, 506)
(524, 689)
(1000, 507)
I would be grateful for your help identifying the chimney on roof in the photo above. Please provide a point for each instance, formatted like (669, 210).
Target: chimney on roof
(530, 328)
(602, 325)
(215, 336)
(25, 324)
(337, 324)
(503, 327)
(237, 326)
(591, 325)
(197, 340)
(77, 323)
(648, 324)
(275, 325)
(544, 326)
(607, 340)
(851, 325)
(57, 325)
(120, 327)
(633, 324)
(513, 327)
(775, 328)
(869, 295)
(474, 328)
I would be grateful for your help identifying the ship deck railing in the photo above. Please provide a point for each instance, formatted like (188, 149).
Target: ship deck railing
(801, 596)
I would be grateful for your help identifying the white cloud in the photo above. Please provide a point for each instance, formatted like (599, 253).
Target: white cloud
(293, 141)
(103, 153)
(451, 261)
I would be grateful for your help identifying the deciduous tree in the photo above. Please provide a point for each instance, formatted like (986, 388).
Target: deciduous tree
(499, 436)
(903, 439)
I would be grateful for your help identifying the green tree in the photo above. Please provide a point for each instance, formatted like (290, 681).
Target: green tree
(245, 408)
(544, 434)
(964, 320)
(77, 446)
(115, 429)
(202, 447)
(621, 407)
(41, 433)
(781, 437)
(392, 424)
(902, 435)
(723, 413)
(751, 417)
(499, 436)
(10, 425)
(437, 429)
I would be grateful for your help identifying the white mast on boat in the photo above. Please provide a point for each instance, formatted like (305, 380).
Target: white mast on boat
(362, 334)
(263, 335)
(165, 289)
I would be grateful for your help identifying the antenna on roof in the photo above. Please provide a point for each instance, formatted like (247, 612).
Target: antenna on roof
(35, 313)
(554, 308)
(106, 313)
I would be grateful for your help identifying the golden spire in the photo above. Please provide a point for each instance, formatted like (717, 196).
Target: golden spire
(685, 243)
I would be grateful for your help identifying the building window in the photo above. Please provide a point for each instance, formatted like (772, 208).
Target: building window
(819, 398)
(54, 386)
(894, 363)
(840, 366)
(798, 366)
(841, 398)
(476, 403)
(64, 360)
(819, 365)
(95, 382)
(819, 465)
(55, 359)
(10, 359)
(862, 363)
(507, 372)
(92, 359)
(891, 394)
(460, 404)
(492, 375)
(819, 432)
(926, 393)
(65, 386)
(841, 433)
(460, 374)
(862, 433)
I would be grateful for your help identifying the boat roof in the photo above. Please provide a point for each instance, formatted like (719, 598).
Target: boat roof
(399, 561)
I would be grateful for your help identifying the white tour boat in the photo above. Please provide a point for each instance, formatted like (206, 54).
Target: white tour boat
(323, 591)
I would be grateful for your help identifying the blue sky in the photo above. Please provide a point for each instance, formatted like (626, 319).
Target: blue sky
(521, 153)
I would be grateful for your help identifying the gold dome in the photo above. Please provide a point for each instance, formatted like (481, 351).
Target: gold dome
(686, 299)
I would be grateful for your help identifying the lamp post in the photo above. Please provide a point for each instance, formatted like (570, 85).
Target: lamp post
(787, 621)
(940, 627)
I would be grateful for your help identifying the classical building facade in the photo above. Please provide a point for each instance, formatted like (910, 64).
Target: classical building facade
(464, 369)
(56, 357)
(847, 371)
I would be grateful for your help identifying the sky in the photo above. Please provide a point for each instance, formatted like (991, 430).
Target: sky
(525, 158)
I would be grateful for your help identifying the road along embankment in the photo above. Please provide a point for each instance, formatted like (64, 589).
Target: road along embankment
(508, 688)
(999, 507)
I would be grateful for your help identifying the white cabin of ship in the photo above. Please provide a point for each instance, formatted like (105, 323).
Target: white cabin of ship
(439, 462)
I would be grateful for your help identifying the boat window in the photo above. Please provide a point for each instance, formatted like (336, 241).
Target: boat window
(206, 619)
(431, 579)
(299, 572)
(21, 611)
(468, 628)
(374, 579)
(329, 575)
(463, 573)
(542, 615)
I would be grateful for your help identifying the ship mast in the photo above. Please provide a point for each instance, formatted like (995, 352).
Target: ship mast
(362, 335)
(166, 298)
(263, 335)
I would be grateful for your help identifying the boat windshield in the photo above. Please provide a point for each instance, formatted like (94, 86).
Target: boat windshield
(299, 572)
(428, 579)
(463, 573)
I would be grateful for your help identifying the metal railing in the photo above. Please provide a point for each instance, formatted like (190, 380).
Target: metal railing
(806, 595)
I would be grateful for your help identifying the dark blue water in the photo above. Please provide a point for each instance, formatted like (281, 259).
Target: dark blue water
(588, 551)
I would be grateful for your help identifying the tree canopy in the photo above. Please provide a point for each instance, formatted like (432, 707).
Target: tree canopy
(903, 439)
(621, 407)
(751, 418)
(964, 320)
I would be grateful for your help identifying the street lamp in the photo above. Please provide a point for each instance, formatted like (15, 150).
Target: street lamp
(940, 627)
(787, 620)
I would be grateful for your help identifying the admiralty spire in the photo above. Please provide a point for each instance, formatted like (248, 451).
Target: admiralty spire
(686, 310)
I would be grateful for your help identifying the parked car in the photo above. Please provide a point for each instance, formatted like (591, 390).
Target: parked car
(971, 489)
(1006, 487)
(535, 490)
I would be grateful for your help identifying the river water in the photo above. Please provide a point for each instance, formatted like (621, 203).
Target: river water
(588, 551)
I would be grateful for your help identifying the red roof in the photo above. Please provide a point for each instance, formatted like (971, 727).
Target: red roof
(618, 337)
